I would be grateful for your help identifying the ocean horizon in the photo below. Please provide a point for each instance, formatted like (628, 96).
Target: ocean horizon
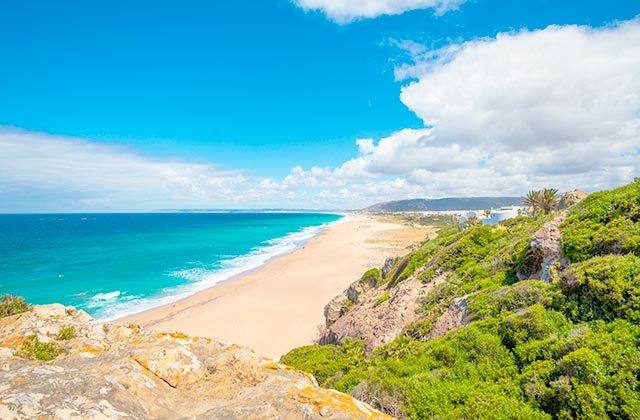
(116, 264)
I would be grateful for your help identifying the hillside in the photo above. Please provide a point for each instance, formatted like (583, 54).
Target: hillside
(444, 204)
(535, 318)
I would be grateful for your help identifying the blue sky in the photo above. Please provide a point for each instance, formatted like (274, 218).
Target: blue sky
(258, 91)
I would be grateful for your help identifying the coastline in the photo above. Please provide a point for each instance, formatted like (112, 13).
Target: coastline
(279, 305)
(234, 268)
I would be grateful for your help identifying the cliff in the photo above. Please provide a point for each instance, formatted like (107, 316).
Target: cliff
(55, 362)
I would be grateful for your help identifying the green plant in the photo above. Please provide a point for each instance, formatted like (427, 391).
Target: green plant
(32, 348)
(543, 201)
(604, 288)
(383, 298)
(66, 333)
(606, 222)
(373, 276)
(11, 305)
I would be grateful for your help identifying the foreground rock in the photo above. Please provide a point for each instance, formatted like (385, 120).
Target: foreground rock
(110, 371)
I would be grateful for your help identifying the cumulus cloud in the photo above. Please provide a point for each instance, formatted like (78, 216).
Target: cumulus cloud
(554, 107)
(527, 90)
(345, 11)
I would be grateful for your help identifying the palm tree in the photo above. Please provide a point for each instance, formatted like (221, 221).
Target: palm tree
(544, 201)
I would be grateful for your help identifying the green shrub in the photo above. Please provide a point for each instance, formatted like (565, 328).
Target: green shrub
(373, 276)
(604, 288)
(66, 333)
(534, 323)
(327, 363)
(606, 222)
(383, 298)
(492, 302)
(11, 305)
(32, 348)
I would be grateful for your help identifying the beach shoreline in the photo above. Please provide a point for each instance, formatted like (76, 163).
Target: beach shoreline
(279, 305)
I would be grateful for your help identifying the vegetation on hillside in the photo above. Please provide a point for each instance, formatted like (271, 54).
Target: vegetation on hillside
(11, 305)
(568, 349)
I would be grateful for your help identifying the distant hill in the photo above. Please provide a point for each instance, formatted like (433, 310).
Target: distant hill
(444, 204)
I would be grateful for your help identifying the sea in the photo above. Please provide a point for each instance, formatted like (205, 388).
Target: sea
(112, 265)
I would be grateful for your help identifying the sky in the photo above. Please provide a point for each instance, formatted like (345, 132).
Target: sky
(323, 104)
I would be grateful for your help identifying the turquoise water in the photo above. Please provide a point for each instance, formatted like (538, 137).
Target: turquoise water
(116, 264)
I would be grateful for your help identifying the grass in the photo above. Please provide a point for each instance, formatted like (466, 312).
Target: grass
(383, 298)
(67, 333)
(11, 305)
(32, 348)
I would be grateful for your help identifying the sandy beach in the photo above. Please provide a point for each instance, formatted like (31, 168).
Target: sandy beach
(280, 305)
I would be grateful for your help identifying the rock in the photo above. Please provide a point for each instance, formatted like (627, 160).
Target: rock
(170, 361)
(570, 198)
(546, 251)
(336, 308)
(377, 321)
(115, 371)
(454, 317)
(388, 265)
(359, 288)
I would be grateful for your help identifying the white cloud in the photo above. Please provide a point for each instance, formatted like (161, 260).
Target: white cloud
(531, 90)
(345, 11)
(70, 171)
(555, 107)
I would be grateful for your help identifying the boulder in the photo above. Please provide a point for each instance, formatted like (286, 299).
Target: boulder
(546, 251)
(455, 316)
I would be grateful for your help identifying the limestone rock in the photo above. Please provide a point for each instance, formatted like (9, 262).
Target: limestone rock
(114, 371)
(378, 320)
(570, 198)
(454, 317)
(336, 308)
(546, 251)
(388, 265)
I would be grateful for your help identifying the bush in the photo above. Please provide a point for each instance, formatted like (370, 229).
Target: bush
(11, 305)
(492, 302)
(383, 298)
(327, 363)
(606, 222)
(66, 333)
(604, 288)
(373, 276)
(32, 348)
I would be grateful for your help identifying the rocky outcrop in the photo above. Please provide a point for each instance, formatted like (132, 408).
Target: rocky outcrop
(570, 198)
(114, 371)
(379, 314)
(388, 266)
(546, 251)
(455, 316)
